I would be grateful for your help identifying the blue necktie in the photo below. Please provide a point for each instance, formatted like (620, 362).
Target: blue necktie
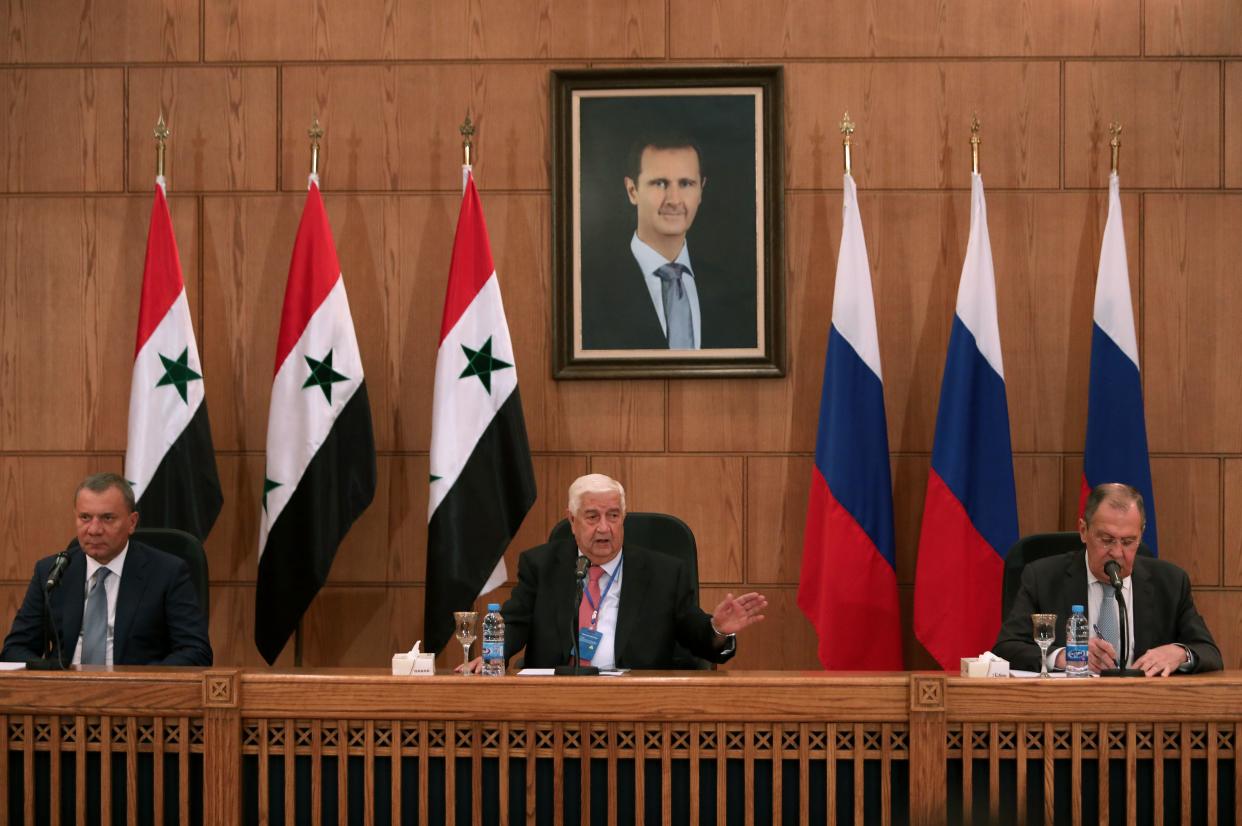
(95, 622)
(1110, 628)
(677, 318)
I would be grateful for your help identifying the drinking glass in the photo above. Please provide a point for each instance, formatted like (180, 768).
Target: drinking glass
(1045, 626)
(466, 621)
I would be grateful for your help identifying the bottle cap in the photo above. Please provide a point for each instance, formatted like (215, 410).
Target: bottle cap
(493, 606)
(1077, 609)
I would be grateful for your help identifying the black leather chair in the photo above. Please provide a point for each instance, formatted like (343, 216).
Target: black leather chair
(183, 546)
(1033, 547)
(665, 533)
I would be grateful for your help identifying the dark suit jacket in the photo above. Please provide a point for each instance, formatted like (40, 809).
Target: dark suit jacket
(657, 609)
(617, 312)
(158, 620)
(1164, 611)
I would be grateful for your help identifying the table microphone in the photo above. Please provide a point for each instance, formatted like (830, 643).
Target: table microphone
(58, 570)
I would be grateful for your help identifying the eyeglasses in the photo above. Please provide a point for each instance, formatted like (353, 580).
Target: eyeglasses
(1109, 541)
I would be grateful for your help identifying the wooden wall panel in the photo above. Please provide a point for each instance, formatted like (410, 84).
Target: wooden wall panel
(82, 31)
(1192, 27)
(381, 621)
(396, 127)
(1192, 297)
(553, 476)
(223, 124)
(1232, 544)
(36, 503)
(1222, 611)
(232, 627)
(909, 492)
(784, 640)
(1233, 124)
(777, 490)
(1170, 114)
(427, 30)
(70, 274)
(705, 492)
(920, 138)
(1188, 500)
(63, 130)
(904, 28)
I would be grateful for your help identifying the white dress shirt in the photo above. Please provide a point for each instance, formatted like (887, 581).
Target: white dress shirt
(112, 586)
(649, 261)
(606, 624)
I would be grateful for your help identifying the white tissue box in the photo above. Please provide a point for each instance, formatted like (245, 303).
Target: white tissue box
(980, 667)
(420, 665)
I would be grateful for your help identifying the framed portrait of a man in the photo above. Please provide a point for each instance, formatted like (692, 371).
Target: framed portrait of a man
(667, 222)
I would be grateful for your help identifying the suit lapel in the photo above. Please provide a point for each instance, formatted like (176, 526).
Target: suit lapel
(564, 584)
(635, 585)
(73, 600)
(1075, 590)
(133, 582)
(1143, 594)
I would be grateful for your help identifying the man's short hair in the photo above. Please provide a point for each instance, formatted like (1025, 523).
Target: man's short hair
(101, 482)
(660, 140)
(1115, 495)
(593, 483)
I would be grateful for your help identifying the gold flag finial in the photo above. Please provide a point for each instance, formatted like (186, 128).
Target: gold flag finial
(161, 137)
(1114, 129)
(975, 140)
(315, 133)
(847, 138)
(467, 135)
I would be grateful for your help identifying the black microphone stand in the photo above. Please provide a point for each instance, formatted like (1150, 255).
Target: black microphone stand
(576, 668)
(51, 635)
(1123, 620)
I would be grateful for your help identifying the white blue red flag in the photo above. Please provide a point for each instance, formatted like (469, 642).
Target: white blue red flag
(1116, 448)
(970, 514)
(848, 568)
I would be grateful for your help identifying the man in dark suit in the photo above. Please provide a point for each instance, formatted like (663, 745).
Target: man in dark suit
(641, 603)
(1168, 633)
(119, 602)
(648, 293)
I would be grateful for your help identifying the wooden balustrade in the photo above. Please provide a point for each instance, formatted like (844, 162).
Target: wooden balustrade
(225, 746)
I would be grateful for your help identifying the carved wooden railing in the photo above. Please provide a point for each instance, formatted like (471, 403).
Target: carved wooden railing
(227, 746)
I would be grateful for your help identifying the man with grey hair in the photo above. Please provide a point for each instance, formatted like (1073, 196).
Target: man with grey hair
(119, 602)
(638, 605)
(1168, 634)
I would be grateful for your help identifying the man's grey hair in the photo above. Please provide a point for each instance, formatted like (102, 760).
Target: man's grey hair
(1118, 497)
(101, 482)
(593, 483)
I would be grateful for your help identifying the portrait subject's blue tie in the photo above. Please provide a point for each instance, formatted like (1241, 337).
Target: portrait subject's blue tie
(677, 318)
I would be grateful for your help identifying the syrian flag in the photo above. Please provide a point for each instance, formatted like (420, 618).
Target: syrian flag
(970, 514)
(1116, 447)
(320, 473)
(848, 553)
(169, 458)
(482, 483)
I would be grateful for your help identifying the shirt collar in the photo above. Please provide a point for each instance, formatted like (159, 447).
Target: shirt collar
(1125, 583)
(115, 566)
(610, 567)
(650, 260)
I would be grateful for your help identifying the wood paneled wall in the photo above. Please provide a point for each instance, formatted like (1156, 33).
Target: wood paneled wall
(81, 85)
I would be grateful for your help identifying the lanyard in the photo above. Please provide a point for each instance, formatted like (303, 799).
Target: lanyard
(587, 593)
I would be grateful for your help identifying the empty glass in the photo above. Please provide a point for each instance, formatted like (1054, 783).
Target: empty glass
(1045, 626)
(465, 621)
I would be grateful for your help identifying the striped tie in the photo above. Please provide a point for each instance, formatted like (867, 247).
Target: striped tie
(1110, 629)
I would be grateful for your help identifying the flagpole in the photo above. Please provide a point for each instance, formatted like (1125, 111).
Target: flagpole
(161, 137)
(975, 140)
(847, 140)
(467, 145)
(1114, 129)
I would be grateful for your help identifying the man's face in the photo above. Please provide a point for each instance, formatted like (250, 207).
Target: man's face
(104, 523)
(667, 193)
(599, 526)
(1112, 534)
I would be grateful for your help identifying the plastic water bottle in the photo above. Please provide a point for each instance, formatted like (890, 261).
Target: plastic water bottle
(494, 641)
(1076, 635)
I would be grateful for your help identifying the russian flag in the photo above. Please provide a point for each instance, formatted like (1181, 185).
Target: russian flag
(849, 579)
(970, 514)
(1116, 447)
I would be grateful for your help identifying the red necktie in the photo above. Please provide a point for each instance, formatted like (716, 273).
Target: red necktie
(584, 608)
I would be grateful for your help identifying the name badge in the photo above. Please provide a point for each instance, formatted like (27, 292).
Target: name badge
(588, 641)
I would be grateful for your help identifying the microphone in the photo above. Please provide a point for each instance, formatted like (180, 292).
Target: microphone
(58, 570)
(1114, 573)
(582, 566)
